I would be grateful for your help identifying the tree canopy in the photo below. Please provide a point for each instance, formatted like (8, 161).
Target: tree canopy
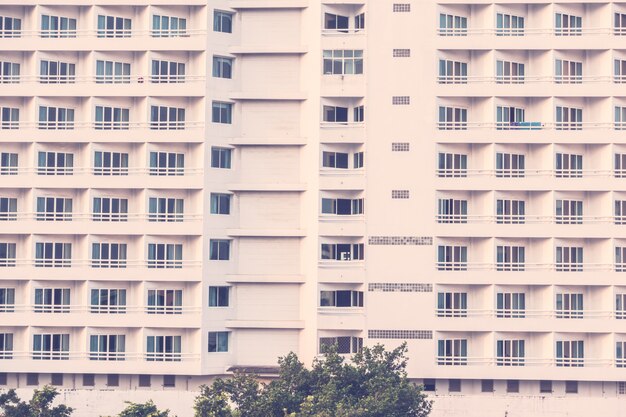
(373, 383)
(147, 409)
(39, 406)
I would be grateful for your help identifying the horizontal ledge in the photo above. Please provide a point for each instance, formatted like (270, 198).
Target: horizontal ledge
(265, 324)
(268, 96)
(268, 50)
(242, 141)
(269, 4)
(266, 232)
(265, 279)
(267, 187)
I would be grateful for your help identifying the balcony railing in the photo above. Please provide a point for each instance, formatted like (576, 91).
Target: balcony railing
(530, 313)
(107, 34)
(98, 309)
(109, 125)
(81, 263)
(534, 79)
(343, 32)
(109, 217)
(127, 356)
(104, 171)
(531, 31)
(101, 79)
(557, 267)
(527, 219)
(531, 173)
(531, 125)
(527, 361)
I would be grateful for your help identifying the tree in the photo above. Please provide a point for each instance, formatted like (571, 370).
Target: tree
(148, 409)
(373, 384)
(38, 406)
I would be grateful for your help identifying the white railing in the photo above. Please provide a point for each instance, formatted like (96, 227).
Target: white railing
(525, 361)
(107, 34)
(130, 263)
(527, 219)
(116, 356)
(105, 125)
(104, 171)
(526, 172)
(343, 32)
(530, 125)
(100, 79)
(523, 79)
(531, 31)
(335, 125)
(529, 314)
(116, 217)
(528, 266)
(98, 309)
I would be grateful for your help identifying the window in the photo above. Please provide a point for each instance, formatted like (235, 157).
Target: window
(335, 160)
(510, 305)
(452, 304)
(167, 118)
(342, 206)
(620, 306)
(510, 352)
(620, 354)
(9, 71)
(568, 71)
(165, 209)
(114, 27)
(144, 380)
(452, 72)
(336, 22)
(53, 254)
(55, 163)
(450, 25)
(510, 211)
(167, 72)
(7, 254)
(108, 300)
(512, 385)
(4, 378)
(111, 118)
(343, 62)
(344, 344)
(56, 118)
(430, 385)
(358, 160)
(509, 117)
(452, 118)
(113, 380)
(569, 305)
(112, 72)
(89, 380)
(57, 27)
(565, 24)
(219, 296)
(51, 346)
(108, 255)
(56, 379)
(334, 114)
(569, 212)
(509, 165)
(359, 22)
(56, 72)
(222, 22)
(165, 301)
(545, 387)
(451, 258)
(54, 208)
(486, 385)
(450, 210)
(510, 258)
(452, 352)
(169, 381)
(359, 114)
(571, 387)
(221, 157)
(620, 259)
(52, 300)
(107, 347)
(222, 113)
(619, 71)
(220, 203)
(10, 27)
(342, 251)
(508, 72)
(218, 342)
(6, 345)
(451, 165)
(110, 163)
(7, 300)
(569, 258)
(620, 212)
(165, 255)
(568, 118)
(10, 118)
(32, 379)
(168, 26)
(8, 163)
(454, 385)
(222, 67)
(163, 348)
(570, 353)
(620, 118)
(569, 165)
(219, 249)
(341, 298)
(8, 208)
(110, 209)
(619, 23)
(509, 25)
(167, 163)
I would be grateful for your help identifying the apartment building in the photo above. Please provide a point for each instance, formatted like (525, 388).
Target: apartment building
(192, 188)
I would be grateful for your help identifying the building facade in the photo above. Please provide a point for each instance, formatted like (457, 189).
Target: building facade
(189, 188)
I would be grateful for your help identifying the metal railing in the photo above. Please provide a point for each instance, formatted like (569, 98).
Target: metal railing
(529, 313)
(107, 34)
(527, 219)
(531, 31)
(528, 266)
(78, 263)
(100, 79)
(524, 79)
(98, 309)
(529, 173)
(530, 125)
(71, 355)
(113, 217)
(104, 125)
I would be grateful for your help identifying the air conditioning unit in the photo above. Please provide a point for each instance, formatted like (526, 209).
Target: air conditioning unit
(345, 256)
